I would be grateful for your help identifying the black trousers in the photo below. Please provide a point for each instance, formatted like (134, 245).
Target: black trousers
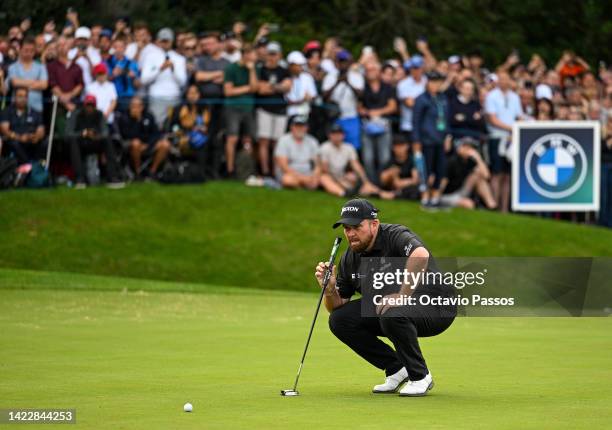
(25, 152)
(214, 149)
(402, 325)
(83, 146)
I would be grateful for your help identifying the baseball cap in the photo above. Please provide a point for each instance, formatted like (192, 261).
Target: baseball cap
(89, 99)
(106, 32)
(356, 210)
(82, 33)
(543, 91)
(416, 61)
(165, 34)
(407, 65)
(299, 120)
(273, 47)
(296, 57)
(466, 140)
(312, 45)
(100, 69)
(343, 55)
(491, 77)
(336, 128)
(435, 76)
(262, 41)
(454, 59)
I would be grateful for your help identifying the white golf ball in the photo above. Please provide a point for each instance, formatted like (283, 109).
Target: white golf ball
(188, 407)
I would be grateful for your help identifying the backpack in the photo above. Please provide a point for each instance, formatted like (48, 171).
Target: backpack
(184, 172)
(38, 177)
(7, 172)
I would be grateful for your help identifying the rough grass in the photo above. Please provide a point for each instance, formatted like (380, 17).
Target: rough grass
(227, 234)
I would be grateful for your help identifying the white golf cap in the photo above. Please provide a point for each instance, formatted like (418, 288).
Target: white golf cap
(273, 47)
(82, 33)
(296, 57)
(491, 77)
(165, 34)
(543, 91)
(454, 59)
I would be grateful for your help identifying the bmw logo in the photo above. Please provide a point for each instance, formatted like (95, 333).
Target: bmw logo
(555, 166)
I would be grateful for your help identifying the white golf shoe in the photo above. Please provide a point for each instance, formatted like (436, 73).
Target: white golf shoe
(392, 382)
(418, 388)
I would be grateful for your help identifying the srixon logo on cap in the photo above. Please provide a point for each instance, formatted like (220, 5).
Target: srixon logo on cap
(349, 209)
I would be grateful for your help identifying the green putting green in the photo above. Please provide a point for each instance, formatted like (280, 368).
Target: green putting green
(127, 354)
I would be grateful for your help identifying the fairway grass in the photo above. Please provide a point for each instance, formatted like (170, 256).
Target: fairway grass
(127, 354)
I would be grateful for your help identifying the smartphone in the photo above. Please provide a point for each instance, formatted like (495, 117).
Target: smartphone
(273, 28)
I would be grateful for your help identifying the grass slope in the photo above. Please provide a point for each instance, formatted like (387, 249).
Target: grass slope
(228, 234)
(127, 354)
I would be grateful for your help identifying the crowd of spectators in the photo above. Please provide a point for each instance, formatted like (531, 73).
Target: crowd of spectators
(138, 104)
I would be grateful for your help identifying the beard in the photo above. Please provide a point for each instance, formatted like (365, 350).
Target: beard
(362, 245)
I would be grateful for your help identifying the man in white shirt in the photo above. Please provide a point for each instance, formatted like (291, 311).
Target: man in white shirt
(84, 53)
(104, 91)
(502, 109)
(344, 87)
(408, 89)
(303, 88)
(165, 73)
(142, 46)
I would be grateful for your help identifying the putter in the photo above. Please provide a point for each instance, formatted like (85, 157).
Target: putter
(326, 277)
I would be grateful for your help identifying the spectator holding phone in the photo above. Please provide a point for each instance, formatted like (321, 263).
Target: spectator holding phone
(344, 86)
(165, 73)
(87, 133)
(123, 73)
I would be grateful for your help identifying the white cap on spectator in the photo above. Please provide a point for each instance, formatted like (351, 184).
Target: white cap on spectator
(454, 59)
(296, 57)
(273, 47)
(165, 34)
(82, 33)
(491, 77)
(543, 91)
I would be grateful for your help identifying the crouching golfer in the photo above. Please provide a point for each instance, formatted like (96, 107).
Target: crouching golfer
(403, 324)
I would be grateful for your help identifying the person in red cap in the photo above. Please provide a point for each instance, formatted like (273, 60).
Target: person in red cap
(104, 92)
(313, 51)
(87, 133)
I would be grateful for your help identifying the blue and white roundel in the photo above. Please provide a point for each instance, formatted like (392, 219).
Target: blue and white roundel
(555, 165)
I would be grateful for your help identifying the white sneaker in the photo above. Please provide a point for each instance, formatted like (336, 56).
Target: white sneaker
(418, 388)
(392, 383)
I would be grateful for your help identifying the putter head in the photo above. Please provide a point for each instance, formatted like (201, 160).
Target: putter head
(289, 393)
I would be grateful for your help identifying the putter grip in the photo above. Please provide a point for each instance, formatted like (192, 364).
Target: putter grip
(332, 258)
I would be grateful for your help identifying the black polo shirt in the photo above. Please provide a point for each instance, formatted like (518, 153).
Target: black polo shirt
(392, 240)
(144, 129)
(21, 123)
